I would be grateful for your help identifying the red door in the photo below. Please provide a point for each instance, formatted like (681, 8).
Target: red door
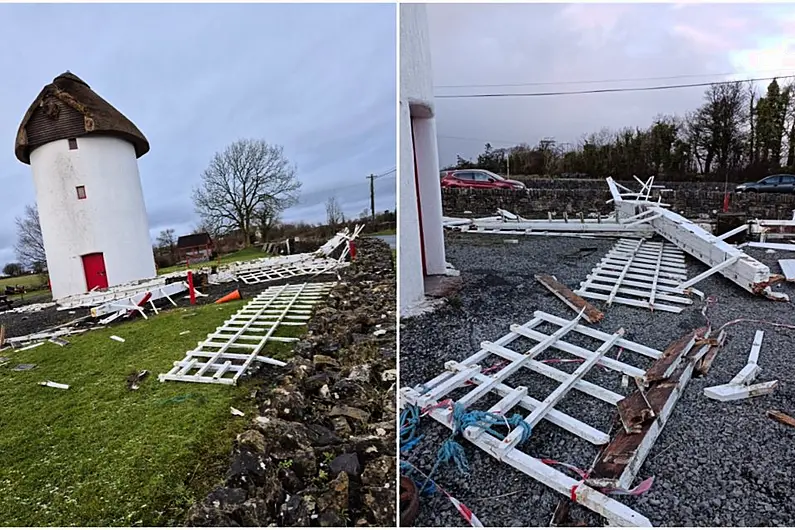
(94, 268)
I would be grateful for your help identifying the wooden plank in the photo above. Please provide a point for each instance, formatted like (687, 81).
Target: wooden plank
(781, 417)
(589, 311)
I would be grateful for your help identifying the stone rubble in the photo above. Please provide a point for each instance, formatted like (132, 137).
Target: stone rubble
(322, 450)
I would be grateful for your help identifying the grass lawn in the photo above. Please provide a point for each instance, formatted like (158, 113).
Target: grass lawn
(29, 281)
(390, 232)
(246, 254)
(98, 454)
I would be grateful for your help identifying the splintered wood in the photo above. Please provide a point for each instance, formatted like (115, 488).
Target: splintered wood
(639, 273)
(489, 386)
(225, 355)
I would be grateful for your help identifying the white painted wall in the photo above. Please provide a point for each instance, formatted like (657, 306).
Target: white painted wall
(417, 106)
(111, 219)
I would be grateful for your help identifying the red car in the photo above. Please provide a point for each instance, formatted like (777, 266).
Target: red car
(478, 178)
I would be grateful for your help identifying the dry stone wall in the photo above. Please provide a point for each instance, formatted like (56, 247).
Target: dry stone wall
(545, 195)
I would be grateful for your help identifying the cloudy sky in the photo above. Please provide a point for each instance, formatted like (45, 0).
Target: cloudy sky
(316, 79)
(561, 45)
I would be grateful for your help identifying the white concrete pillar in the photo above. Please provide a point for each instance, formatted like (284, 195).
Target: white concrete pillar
(411, 287)
(427, 155)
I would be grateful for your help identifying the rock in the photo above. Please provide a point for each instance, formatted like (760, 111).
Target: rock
(347, 462)
(341, 426)
(380, 472)
(350, 391)
(217, 508)
(290, 480)
(322, 436)
(335, 498)
(324, 360)
(252, 440)
(297, 511)
(254, 512)
(286, 402)
(247, 470)
(380, 502)
(351, 412)
(360, 373)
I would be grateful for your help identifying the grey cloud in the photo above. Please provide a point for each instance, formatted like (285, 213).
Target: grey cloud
(521, 43)
(316, 79)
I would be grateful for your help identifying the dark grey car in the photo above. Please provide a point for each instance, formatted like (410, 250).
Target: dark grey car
(771, 184)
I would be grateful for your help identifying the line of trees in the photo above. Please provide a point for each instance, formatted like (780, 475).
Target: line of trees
(735, 135)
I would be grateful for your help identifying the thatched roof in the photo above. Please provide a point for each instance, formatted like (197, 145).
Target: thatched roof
(68, 108)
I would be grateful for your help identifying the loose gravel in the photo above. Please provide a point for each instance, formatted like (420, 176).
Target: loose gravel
(715, 464)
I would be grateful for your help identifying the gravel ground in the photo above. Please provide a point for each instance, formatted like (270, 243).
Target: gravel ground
(715, 464)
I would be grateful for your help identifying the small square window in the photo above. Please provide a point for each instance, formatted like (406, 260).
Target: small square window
(81, 192)
(72, 144)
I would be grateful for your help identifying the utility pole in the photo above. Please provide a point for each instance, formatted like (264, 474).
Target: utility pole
(372, 195)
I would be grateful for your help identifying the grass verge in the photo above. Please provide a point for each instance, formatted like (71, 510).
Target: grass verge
(98, 454)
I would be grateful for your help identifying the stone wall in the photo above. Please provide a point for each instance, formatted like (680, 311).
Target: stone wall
(591, 196)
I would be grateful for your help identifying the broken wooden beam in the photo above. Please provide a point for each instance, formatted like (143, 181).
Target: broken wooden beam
(574, 301)
(672, 356)
(715, 345)
(622, 458)
(781, 417)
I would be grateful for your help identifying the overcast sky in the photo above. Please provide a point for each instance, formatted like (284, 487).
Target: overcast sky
(485, 44)
(316, 79)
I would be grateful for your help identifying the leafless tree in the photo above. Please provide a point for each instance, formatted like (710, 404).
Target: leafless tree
(29, 247)
(248, 176)
(166, 239)
(334, 214)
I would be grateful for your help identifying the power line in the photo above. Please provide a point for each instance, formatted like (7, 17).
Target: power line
(609, 90)
(385, 173)
(595, 81)
(480, 140)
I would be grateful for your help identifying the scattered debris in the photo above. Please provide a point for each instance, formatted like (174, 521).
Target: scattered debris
(55, 385)
(431, 397)
(23, 367)
(35, 345)
(589, 312)
(184, 332)
(30, 308)
(59, 342)
(236, 412)
(136, 377)
(781, 417)
(788, 269)
(117, 338)
(720, 256)
(228, 352)
(740, 386)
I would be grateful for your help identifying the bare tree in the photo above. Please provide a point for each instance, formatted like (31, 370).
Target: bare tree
(334, 215)
(248, 176)
(268, 217)
(166, 239)
(29, 247)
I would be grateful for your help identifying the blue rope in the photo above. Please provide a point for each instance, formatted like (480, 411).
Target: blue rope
(409, 422)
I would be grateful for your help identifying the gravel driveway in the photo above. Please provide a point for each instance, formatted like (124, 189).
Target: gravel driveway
(715, 464)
